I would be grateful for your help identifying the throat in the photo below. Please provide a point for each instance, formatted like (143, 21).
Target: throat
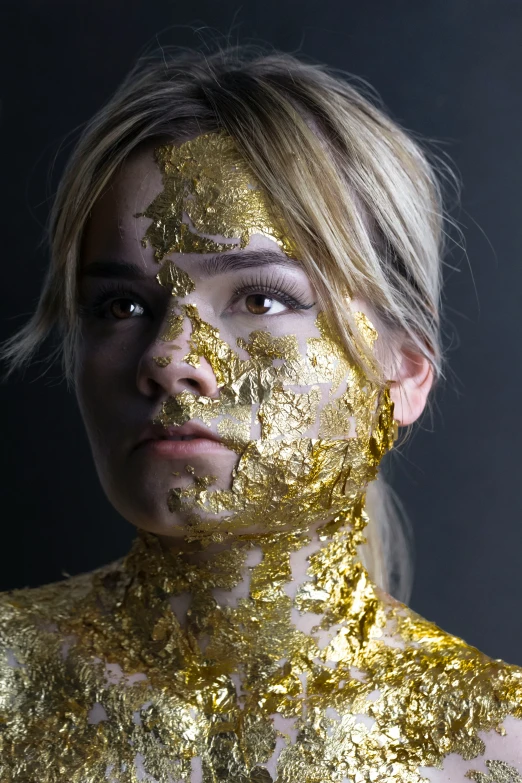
(260, 605)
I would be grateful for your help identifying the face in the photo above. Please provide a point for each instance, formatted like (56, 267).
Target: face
(215, 396)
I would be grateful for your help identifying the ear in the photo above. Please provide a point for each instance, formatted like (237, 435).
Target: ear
(410, 386)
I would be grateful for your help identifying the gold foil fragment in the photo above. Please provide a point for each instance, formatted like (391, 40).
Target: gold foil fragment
(366, 328)
(208, 192)
(499, 772)
(180, 284)
(162, 361)
(174, 326)
(176, 279)
(320, 679)
(288, 414)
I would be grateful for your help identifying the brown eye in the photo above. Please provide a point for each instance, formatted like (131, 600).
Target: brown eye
(258, 304)
(125, 308)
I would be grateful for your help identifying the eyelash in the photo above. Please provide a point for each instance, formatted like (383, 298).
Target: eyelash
(108, 293)
(274, 288)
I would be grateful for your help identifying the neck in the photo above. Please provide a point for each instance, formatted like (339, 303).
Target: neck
(263, 601)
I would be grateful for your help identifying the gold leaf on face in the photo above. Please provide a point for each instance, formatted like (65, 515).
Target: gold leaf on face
(162, 361)
(337, 418)
(303, 478)
(173, 327)
(366, 328)
(105, 677)
(288, 414)
(175, 279)
(208, 192)
(180, 284)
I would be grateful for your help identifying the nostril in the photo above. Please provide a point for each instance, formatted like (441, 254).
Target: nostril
(192, 383)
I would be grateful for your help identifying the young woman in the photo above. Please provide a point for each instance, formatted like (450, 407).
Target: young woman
(245, 274)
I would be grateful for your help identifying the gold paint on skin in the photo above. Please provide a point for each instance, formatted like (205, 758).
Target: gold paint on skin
(100, 681)
(207, 181)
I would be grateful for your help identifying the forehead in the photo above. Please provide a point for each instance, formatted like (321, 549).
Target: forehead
(115, 227)
(113, 220)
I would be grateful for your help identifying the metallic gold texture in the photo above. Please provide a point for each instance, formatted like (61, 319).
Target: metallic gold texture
(176, 279)
(299, 477)
(100, 682)
(499, 772)
(321, 681)
(208, 191)
(180, 285)
(162, 361)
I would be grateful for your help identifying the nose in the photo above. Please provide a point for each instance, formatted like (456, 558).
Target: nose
(162, 371)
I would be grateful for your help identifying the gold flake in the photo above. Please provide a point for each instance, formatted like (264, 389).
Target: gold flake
(176, 279)
(208, 191)
(499, 772)
(174, 326)
(100, 680)
(162, 361)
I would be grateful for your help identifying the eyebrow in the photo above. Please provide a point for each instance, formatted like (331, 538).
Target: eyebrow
(217, 264)
(115, 268)
(220, 263)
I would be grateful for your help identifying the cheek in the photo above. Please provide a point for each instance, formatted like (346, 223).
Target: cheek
(104, 372)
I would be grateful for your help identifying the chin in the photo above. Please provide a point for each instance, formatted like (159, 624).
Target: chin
(145, 465)
(148, 513)
(139, 492)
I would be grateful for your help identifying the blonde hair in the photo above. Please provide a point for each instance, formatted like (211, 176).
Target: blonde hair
(360, 199)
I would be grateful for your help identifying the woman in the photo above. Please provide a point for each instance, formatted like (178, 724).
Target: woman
(245, 272)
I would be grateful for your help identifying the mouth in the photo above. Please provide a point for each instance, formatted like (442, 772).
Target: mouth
(177, 442)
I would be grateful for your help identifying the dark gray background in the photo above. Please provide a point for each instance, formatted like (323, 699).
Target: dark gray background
(448, 69)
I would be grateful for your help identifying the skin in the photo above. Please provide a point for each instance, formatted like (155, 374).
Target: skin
(120, 387)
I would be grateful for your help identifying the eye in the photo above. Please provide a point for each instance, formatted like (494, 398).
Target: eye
(255, 296)
(261, 304)
(114, 303)
(125, 308)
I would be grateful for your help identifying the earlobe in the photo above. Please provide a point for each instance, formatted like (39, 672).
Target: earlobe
(409, 391)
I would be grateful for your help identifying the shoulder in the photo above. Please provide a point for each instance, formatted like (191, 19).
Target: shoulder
(34, 621)
(41, 605)
(31, 612)
(459, 667)
(53, 597)
(466, 705)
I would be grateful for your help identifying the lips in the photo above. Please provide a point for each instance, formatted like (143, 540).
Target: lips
(189, 440)
(187, 432)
